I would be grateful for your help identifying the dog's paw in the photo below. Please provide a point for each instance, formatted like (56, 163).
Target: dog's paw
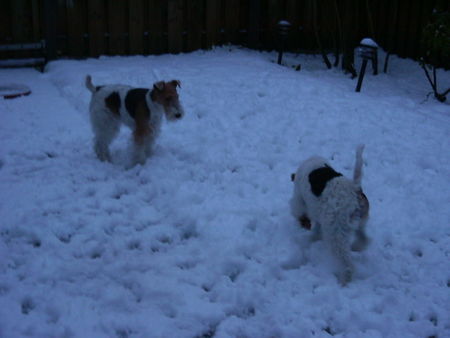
(104, 156)
(346, 277)
(305, 222)
(360, 245)
(361, 242)
(102, 152)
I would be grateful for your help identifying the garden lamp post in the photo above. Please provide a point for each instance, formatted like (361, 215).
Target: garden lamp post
(368, 50)
(283, 30)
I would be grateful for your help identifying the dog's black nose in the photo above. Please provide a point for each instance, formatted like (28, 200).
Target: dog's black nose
(178, 115)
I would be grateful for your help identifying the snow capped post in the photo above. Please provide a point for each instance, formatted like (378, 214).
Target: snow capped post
(367, 51)
(283, 30)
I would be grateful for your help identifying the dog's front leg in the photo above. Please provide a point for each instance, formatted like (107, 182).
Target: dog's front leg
(140, 140)
(149, 144)
(143, 137)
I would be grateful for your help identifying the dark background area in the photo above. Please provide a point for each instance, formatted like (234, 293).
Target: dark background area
(89, 28)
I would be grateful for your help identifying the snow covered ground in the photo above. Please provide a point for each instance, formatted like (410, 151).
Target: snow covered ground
(199, 241)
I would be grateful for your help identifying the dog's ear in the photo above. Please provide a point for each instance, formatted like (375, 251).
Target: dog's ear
(159, 85)
(292, 177)
(176, 83)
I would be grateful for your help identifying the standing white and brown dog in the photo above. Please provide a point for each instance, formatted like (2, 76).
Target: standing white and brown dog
(334, 206)
(140, 109)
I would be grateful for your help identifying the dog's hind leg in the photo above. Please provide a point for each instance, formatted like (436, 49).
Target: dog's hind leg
(361, 240)
(316, 232)
(340, 247)
(105, 129)
(143, 139)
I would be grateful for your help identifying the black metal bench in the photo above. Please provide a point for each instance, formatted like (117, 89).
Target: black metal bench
(38, 61)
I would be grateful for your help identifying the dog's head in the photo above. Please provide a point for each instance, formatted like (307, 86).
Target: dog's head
(165, 93)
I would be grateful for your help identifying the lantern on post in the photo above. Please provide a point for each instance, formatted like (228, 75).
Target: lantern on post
(283, 30)
(367, 50)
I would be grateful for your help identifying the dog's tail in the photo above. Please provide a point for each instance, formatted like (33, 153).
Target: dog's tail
(357, 173)
(89, 84)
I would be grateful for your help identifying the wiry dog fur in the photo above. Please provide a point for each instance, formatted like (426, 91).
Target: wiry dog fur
(334, 205)
(140, 109)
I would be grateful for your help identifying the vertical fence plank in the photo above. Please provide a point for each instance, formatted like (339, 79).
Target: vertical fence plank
(293, 16)
(350, 19)
(61, 27)
(392, 25)
(273, 13)
(232, 21)
(427, 10)
(221, 22)
(36, 20)
(5, 26)
(50, 28)
(117, 27)
(372, 18)
(243, 22)
(326, 24)
(212, 22)
(21, 28)
(254, 24)
(76, 28)
(136, 26)
(402, 32)
(5, 22)
(156, 26)
(96, 27)
(412, 43)
(175, 26)
(307, 33)
(382, 23)
(195, 11)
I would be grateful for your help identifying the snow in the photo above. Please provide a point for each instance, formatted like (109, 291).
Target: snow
(12, 89)
(199, 241)
(284, 23)
(368, 42)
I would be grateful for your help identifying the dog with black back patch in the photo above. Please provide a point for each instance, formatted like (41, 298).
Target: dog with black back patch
(333, 206)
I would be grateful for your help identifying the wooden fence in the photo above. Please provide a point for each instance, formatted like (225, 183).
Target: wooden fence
(89, 28)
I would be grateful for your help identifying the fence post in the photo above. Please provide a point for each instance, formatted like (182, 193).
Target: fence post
(50, 8)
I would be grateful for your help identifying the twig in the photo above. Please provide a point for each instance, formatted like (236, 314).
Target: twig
(434, 79)
(427, 97)
(428, 76)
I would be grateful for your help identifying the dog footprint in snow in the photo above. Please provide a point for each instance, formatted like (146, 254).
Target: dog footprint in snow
(233, 270)
(134, 244)
(27, 305)
(125, 333)
(261, 94)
